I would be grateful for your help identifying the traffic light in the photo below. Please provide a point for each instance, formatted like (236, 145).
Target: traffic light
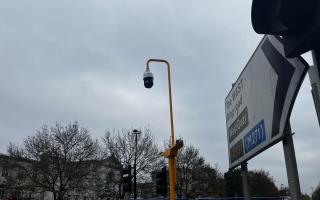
(297, 21)
(161, 182)
(126, 179)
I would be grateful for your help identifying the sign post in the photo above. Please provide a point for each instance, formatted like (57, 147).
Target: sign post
(314, 77)
(245, 182)
(291, 164)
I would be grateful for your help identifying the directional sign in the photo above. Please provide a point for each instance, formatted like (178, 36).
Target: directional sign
(260, 102)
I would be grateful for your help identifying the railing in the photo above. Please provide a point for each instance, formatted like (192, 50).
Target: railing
(242, 198)
(227, 198)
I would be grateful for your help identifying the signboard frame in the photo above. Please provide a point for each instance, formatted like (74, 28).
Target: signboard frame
(257, 131)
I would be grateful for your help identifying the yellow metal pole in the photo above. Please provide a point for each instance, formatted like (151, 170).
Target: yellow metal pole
(172, 160)
(170, 102)
(172, 175)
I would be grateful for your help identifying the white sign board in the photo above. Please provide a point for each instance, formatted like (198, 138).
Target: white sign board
(260, 102)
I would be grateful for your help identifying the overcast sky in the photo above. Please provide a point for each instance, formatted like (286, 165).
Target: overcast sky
(83, 60)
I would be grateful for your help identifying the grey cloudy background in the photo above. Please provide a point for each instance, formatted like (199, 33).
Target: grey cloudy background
(83, 60)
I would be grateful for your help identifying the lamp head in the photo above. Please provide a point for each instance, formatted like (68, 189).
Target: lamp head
(135, 131)
(148, 79)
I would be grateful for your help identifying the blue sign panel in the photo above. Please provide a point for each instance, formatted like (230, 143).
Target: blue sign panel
(255, 137)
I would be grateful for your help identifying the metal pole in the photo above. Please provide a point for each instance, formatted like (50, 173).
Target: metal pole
(170, 102)
(291, 164)
(135, 174)
(170, 94)
(172, 161)
(314, 77)
(136, 132)
(245, 182)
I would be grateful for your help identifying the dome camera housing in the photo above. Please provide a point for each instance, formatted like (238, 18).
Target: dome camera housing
(148, 79)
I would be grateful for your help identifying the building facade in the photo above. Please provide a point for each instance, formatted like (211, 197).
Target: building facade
(101, 181)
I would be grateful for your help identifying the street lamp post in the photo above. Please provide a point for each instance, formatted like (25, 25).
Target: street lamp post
(169, 87)
(149, 77)
(148, 82)
(136, 132)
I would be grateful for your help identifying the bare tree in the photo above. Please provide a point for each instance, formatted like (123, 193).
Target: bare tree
(209, 182)
(59, 157)
(120, 144)
(316, 193)
(14, 150)
(188, 165)
(195, 177)
(261, 184)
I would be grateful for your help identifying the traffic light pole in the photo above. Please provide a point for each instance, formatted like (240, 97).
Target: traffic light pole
(245, 182)
(291, 164)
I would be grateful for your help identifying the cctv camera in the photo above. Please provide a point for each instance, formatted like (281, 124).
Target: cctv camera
(148, 79)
